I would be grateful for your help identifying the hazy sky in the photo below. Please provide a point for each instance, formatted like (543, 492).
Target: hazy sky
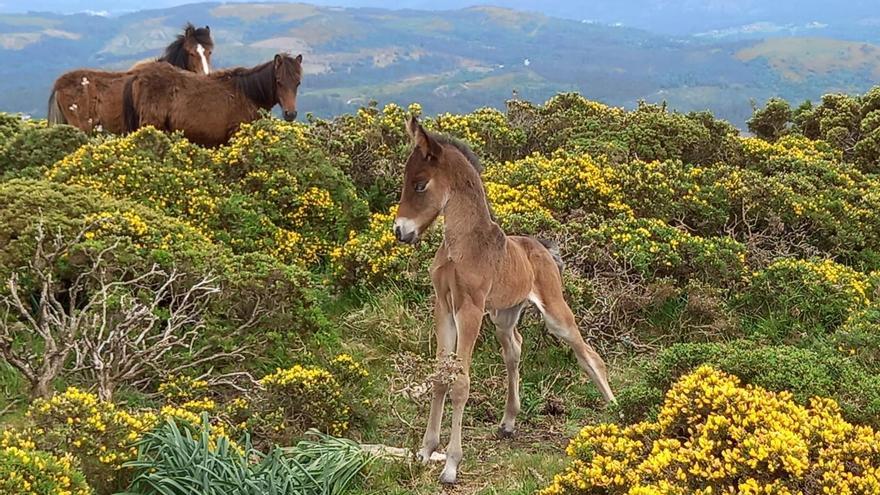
(670, 16)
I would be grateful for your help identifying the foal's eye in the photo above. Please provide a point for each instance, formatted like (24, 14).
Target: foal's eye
(421, 186)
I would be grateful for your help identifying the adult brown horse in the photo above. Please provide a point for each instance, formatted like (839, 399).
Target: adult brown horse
(209, 110)
(478, 270)
(92, 99)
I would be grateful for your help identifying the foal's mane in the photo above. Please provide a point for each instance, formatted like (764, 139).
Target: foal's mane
(460, 146)
(469, 155)
(176, 55)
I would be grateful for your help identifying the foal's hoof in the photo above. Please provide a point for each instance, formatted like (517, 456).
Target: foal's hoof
(448, 476)
(504, 433)
(424, 456)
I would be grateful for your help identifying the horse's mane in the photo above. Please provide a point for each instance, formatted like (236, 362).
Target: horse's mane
(460, 146)
(257, 83)
(175, 53)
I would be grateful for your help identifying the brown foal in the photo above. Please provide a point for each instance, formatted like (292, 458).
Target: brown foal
(478, 270)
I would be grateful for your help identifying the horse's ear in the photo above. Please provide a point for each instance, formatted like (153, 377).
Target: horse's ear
(190, 30)
(299, 58)
(421, 139)
(208, 28)
(278, 60)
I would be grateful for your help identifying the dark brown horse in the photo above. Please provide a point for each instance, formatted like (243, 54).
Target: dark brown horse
(209, 110)
(92, 99)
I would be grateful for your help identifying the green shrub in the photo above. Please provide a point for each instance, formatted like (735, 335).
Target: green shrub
(813, 296)
(36, 147)
(369, 146)
(143, 235)
(10, 125)
(293, 183)
(648, 133)
(486, 130)
(39, 473)
(859, 337)
(772, 121)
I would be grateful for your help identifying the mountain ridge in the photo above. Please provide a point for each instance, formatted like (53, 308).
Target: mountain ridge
(452, 61)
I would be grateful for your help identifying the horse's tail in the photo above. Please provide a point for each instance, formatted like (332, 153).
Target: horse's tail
(553, 248)
(54, 115)
(130, 115)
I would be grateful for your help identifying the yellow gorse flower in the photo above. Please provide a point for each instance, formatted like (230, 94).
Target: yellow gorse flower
(716, 434)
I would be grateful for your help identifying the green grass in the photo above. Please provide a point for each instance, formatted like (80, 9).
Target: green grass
(557, 398)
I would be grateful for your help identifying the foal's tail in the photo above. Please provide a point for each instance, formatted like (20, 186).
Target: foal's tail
(54, 115)
(553, 248)
(131, 118)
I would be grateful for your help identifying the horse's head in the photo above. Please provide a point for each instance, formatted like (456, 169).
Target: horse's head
(288, 76)
(433, 167)
(198, 46)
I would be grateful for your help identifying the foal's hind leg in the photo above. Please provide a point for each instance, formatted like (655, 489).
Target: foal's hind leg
(505, 321)
(561, 323)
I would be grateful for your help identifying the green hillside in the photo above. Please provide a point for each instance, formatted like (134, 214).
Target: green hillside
(449, 61)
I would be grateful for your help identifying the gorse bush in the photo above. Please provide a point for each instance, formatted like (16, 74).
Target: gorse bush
(714, 435)
(39, 473)
(267, 191)
(298, 398)
(805, 373)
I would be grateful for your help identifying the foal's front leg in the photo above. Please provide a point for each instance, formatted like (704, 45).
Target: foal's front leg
(445, 333)
(468, 317)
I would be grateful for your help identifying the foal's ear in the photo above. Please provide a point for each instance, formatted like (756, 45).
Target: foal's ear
(299, 58)
(278, 60)
(421, 139)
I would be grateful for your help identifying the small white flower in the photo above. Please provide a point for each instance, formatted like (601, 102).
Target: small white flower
(73, 107)
(85, 81)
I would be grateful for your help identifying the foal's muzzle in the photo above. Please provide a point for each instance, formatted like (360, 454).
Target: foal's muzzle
(289, 116)
(407, 238)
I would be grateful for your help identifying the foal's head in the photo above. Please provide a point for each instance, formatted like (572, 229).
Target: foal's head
(191, 50)
(435, 166)
(288, 76)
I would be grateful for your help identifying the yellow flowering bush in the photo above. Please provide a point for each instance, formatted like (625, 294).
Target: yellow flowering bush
(24, 471)
(803, 372)
(486, 130)
(373, 255)
(714, 435)
(370, 146)
(180, 388)
(656, 249)
(560, 184)
(291, 400)
(303, 397)
(98, 434)
(806, 294)
(269, 190)
(102, 436)
(167, 173)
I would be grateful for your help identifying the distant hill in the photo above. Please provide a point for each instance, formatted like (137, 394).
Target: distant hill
(447, 60)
